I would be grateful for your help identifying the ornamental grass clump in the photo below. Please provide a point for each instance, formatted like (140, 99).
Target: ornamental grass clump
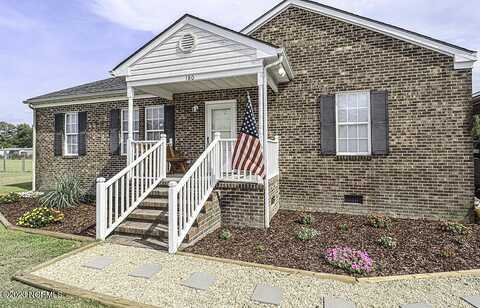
(40, 217)
(66, 194)
(353, 261)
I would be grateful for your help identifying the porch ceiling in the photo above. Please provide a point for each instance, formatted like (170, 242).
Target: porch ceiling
(201, 85)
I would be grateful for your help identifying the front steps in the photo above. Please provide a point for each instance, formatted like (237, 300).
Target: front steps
(147, 225)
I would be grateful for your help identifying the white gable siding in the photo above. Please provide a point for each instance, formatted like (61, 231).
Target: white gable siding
(212, 53)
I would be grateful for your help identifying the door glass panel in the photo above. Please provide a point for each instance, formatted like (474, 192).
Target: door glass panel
(221, 119)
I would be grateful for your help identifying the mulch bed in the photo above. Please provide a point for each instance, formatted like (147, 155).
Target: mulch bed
(78, 220)
(419, 244)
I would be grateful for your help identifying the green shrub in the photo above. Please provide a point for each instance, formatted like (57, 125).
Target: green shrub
(306, 234)
(343, 227)
(225, 235)
(456, 228)
(11, 197)
(260, 248)
(448, 252)
(379, 221)
(67, 193)
(387, 242)
(40, 217)
(307, 219)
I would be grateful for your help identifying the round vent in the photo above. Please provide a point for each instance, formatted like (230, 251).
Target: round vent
(187, 43)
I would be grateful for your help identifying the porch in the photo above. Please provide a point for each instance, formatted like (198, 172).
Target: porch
(182, 66)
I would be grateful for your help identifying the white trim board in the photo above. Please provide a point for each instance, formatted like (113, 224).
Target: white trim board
(463, 59)
(86, 101)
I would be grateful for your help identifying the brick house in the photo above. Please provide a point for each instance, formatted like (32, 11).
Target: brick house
(369, 118)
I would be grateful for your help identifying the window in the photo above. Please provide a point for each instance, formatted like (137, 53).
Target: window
(353, 123)
(124, 128)
(71, 134)
(155, 121)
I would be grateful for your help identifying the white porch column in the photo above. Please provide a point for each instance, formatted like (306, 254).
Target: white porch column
(263, 134)
(130, 94)
(34, 149)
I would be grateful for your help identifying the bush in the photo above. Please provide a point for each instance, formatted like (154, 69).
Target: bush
(225, 235)
(343, 227)
(448, 252)
(40, 217)
(350, 260)
(307, 219)
(456, 228)
(11, 197)
(379, 221)
(306, 234)
(387, 242)
(67, 193)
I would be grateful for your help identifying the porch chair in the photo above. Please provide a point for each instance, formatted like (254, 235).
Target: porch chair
(178, 163)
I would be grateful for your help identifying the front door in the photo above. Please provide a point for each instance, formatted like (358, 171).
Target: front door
(220, 117)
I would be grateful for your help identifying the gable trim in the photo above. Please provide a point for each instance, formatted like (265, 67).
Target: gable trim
(463, 58)
(264, 49)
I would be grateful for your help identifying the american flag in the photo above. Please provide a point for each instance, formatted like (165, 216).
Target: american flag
(248, 153)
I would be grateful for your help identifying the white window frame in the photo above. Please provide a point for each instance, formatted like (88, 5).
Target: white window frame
(161, 131)
(66, 135)
(134, 131)
(369, 129)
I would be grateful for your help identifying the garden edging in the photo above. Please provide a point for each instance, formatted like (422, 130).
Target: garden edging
(59, 235)
(341, 278)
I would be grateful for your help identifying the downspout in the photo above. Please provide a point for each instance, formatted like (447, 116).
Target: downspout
(34, 148)
(266, 199)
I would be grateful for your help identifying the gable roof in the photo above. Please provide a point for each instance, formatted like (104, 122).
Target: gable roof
(464, 58)
(114, 85)
(196, 21)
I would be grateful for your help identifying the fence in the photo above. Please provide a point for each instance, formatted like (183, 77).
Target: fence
(16, 160)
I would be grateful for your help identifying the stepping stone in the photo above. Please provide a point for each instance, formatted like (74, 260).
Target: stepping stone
(419, 305)
(199, 281)
(472, 300)
(146, 271)
(99, 263)
(336, 302)
(267, 294)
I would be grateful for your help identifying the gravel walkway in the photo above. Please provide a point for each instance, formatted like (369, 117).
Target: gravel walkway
(234, 284)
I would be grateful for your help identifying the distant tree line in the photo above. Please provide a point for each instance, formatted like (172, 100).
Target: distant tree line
(15, 136)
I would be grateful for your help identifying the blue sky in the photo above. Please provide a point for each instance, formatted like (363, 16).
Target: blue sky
(53, 44)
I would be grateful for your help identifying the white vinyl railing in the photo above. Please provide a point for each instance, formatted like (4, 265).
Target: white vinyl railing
(141, 147)
(227, 173)
(272, 149)
(119, 196)
(187, 197)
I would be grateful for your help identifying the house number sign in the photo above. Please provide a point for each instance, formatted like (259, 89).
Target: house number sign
(190, 77)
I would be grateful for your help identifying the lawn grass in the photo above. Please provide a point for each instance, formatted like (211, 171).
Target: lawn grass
(20, 251)
(14, 179)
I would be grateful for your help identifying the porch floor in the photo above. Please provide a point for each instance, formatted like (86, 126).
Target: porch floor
(234, 285)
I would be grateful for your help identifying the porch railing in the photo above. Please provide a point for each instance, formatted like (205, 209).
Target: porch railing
(227, 173)
(187, 197)
(119, 196)
(273, 148)
(141, 147)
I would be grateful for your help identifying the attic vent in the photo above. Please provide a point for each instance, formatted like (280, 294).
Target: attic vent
(187, 43)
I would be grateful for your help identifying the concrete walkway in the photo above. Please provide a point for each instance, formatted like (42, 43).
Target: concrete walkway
(233, 285)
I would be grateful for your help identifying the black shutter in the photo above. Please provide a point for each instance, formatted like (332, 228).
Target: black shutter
(82, 133)
(170, 123)
(115, 131)
(379, 118)
(328, 130)
(58, 137)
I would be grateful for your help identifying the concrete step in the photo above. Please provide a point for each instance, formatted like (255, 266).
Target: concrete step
(149, 215)
(159, 192)
(150, 229)
(171, 178)
(139, 241)
(154, 203)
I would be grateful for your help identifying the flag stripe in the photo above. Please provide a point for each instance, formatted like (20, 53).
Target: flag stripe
(248, 154)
